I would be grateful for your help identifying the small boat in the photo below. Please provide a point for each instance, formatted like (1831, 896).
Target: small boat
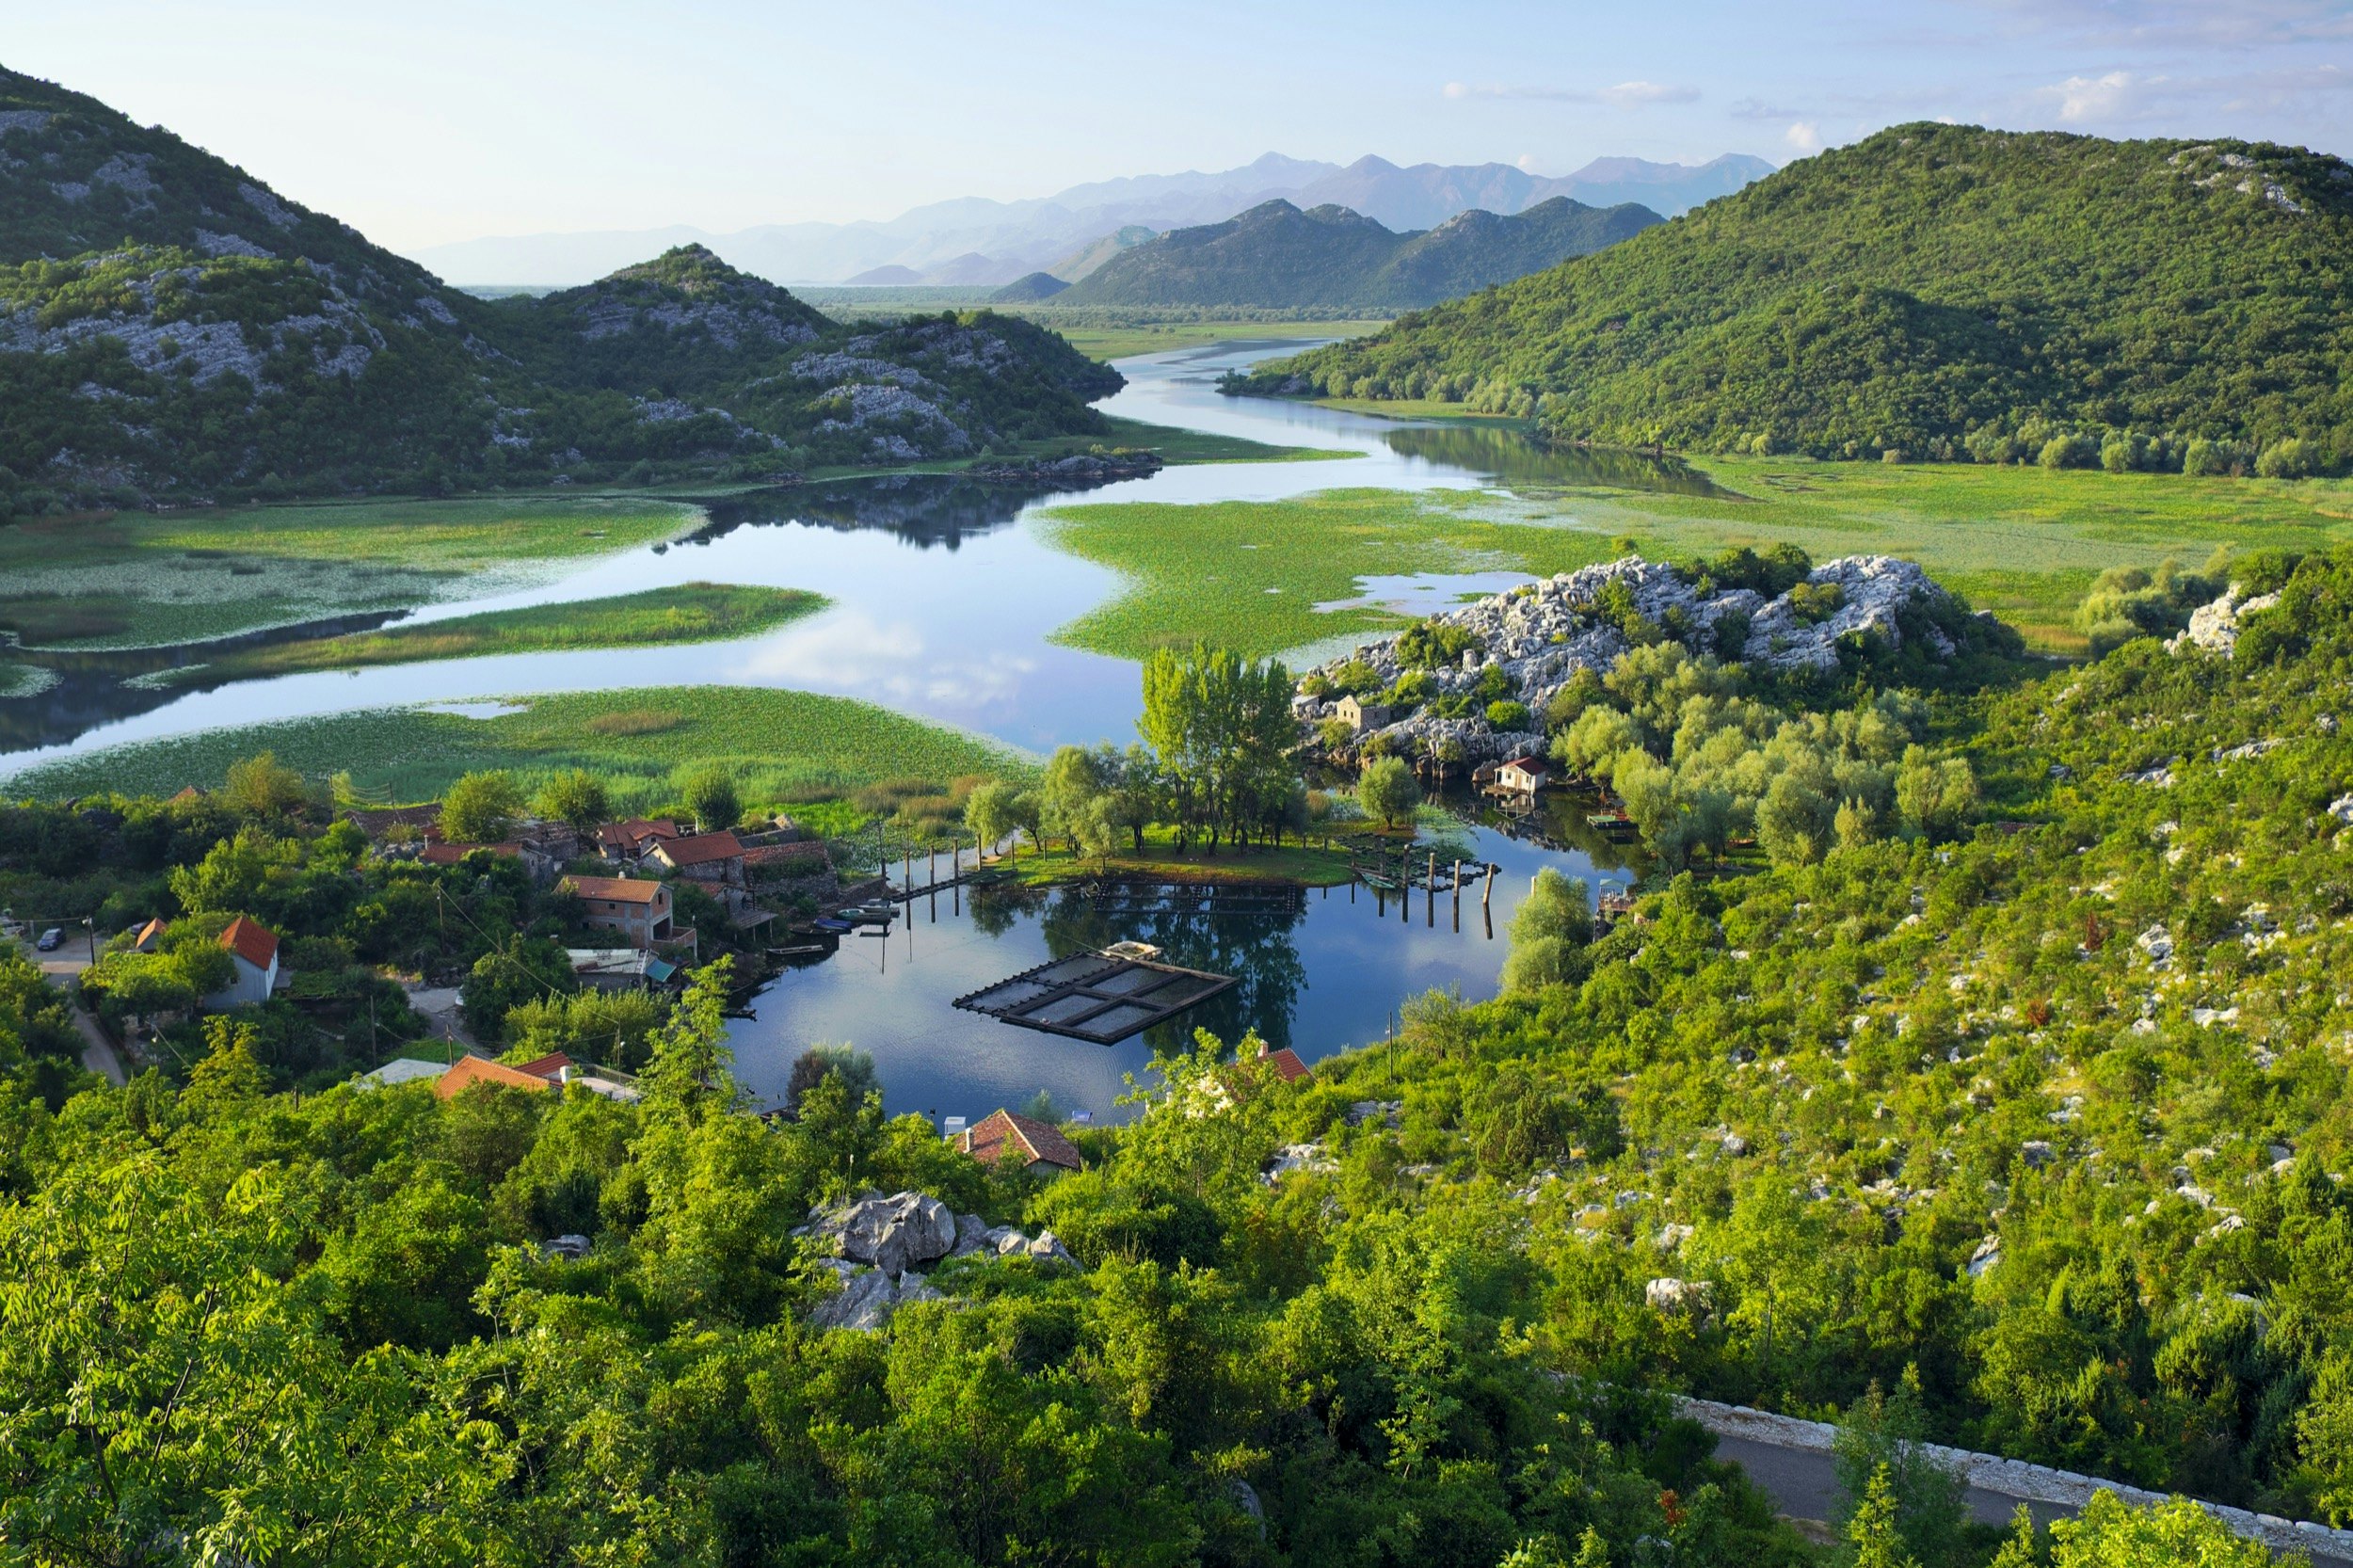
(837, 927)
(868, 914)
(803, 950)
(870, 931)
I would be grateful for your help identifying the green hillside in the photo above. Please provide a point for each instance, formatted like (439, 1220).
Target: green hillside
(172, 331)
(1935, 291)
(1277, 256)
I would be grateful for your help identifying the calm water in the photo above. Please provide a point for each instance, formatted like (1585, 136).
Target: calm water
(944, 595)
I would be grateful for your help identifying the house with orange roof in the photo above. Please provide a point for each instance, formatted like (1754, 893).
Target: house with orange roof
(716, 858)
(148, 935)
(1286, 1064)
(467, 1071)
(628, 840)
(1007, 1135)
(253, 956)
(639, 907)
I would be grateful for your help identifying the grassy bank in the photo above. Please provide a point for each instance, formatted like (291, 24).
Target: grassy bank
(150, 580)
(781, 745)
(691, 612)
(2023, 542)
(1323, 864)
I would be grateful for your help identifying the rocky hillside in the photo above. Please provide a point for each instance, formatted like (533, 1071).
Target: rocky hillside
(172, 330)
(1935, 291)
(1484, 676)
(1275, 256)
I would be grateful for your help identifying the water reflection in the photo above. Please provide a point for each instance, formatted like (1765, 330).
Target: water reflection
(1511, 457)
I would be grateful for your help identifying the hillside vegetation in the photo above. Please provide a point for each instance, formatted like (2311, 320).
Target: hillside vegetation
(1277, 256)
(170, 330)
(1938, 292)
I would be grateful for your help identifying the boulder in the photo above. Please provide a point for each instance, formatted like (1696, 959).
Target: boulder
(2216, 627)
(864, 1302)
(971, 1235)
(893, 1233)
(1675, 1295)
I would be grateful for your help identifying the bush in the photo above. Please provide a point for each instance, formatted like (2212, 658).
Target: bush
(1508, 714)
(2288, 459)
(1387, 790)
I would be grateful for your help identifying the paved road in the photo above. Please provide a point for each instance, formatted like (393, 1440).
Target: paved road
(1802, 1481)
(63, 969)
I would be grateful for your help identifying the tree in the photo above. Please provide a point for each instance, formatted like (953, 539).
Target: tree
(846, 1065)
(2110, 1533)
(990, 813)
(1387, 789)
(708, 791)
(693, 1069)
(1795, 820)
(576, 797)
(1934, 795)
(1549, 933)
(1886, 1438)
(1877, 1542)
(481, 808)
(1076, 780)
(523, 968)
(259, 787)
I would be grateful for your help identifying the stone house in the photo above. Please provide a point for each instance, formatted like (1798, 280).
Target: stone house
(639, 907)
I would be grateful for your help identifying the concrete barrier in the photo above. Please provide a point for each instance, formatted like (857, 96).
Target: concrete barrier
(2011, 1477)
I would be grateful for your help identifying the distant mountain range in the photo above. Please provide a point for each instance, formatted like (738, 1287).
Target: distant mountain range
(1277, 256)
(974, 240)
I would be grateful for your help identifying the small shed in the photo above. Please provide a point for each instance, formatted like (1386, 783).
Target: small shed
(1360, 715)
(712, 858)
(1522, 776)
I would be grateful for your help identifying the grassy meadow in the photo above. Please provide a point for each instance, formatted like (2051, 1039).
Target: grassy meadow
(1128, 340)
(2024, 542)
(691, 612)
(783, 745)
(141, 580)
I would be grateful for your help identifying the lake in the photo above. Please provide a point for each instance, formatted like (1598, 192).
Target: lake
(944, 595)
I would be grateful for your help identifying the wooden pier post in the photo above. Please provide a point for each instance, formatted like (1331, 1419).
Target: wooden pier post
(1429, 893)
(1487, 893)
(1458, 893)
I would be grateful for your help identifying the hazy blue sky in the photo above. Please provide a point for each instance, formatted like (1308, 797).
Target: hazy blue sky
(427, 120)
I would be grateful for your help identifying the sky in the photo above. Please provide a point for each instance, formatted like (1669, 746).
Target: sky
(427, 121)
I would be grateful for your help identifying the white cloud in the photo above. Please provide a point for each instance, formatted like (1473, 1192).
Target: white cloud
(2095, 97)
(1628, 95)
(1625, 95)
(1805, 136)
(1524, 163)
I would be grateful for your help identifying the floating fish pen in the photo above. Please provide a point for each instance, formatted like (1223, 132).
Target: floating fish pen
(1101, 997)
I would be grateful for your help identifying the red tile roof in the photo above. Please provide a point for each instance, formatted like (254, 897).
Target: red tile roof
(1286, 1064)
(147, 933)
(624, 889)
(550, 1066)
(1528, 764)
(630, 833)
(470, 1070)
(699, 850)
(1003, 1135)
(252, 941)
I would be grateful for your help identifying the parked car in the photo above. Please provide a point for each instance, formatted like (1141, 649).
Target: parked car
(50, 939)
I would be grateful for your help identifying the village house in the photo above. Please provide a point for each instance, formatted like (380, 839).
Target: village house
(1522, 776)
(253, 956)
(716, 858)
(467, 1071)
(537, 864)
(637, 908)
(628, 841)
(1360, 715)
(1004, 1135)
(148, 935)
(1286, 1064)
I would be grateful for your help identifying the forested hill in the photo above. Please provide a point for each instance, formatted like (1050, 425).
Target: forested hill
(172, 329)
(1277, 256)
(1924, 286)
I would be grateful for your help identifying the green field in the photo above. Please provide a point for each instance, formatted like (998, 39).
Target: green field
(1122, 341)
(2024, 542)
(138, 580)
(784, 746)
(691, 612)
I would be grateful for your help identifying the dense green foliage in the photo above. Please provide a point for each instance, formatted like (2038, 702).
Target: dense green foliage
(1932, 290)
(172, 329)
(1275, 256)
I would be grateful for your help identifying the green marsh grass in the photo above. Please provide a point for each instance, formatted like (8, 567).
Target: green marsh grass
(2023, 542)
(152, 580)
(782, 746)
(691, 612)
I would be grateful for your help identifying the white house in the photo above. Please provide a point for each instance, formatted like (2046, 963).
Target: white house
(253, 957)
